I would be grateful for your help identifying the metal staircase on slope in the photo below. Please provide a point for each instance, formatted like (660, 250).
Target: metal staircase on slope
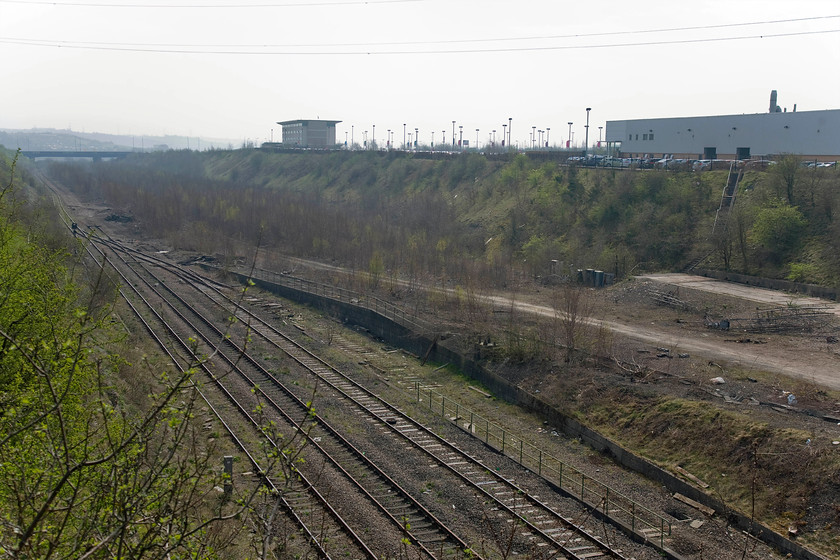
(727, 201)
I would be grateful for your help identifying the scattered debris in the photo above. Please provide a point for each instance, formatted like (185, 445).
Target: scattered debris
(722, 325)
(696, 505)
(696, 524)
(480, 392)
(118, 218)
(791, 400)
(718, 380)
(684, 355)
(690, 476)
(666, 298)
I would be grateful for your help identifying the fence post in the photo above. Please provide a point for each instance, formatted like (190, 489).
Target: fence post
(520, 451)
(228, 466)
(661, 532)
(443, 406)
(539, 466)
(503, 442)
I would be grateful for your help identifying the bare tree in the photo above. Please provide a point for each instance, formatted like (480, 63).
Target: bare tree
(572, 305)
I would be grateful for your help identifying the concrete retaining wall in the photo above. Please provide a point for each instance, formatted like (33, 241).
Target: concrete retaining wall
(439, 351)
(771, 283)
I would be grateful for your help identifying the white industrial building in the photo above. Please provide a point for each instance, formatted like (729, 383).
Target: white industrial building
(809, 134)
(310, 133)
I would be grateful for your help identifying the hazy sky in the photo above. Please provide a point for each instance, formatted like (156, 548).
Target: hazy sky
(233, 68)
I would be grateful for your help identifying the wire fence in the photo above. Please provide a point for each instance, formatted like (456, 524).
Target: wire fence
(381, 307)
(598, 495)
(612, 503)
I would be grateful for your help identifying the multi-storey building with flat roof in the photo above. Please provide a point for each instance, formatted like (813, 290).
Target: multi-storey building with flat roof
(308, 133)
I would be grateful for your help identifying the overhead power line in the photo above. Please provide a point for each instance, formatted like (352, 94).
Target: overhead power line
(266, 49)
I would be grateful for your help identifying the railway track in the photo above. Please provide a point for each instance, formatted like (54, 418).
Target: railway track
(539, 527)
(248, 386)
(539, 530)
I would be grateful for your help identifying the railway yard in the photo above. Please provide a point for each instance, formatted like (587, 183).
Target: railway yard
(370, 468)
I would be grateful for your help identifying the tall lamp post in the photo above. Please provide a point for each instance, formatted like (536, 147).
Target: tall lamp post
(476, 139)
(586, 141)
(504, 135)
(533, 136)
(416, 138)
(510, 131)
(460, 136)
(547, 132)
(404, 137)
(569, 137)
(453, 134)
(373, 138)
(599, 135)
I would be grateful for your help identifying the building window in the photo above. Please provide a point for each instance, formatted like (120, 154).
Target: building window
(637, 137)
(650, 136)
(644, 136)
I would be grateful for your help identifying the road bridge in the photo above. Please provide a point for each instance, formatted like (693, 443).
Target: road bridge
(96, 155)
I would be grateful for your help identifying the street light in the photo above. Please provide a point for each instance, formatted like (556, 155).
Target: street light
(453, 134)
(569, 137)
(403, 136)
(373, 138)
(586, 141)
(388, 140)
(547, 131)
(476, 138)
(533, 136)
(504, 135)
(510, 130)
(460, 136)
(416, 138)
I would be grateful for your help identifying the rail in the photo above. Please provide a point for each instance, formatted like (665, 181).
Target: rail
(611, 502)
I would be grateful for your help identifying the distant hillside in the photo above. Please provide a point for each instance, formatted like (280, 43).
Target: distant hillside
(52, 139)
(474, 219)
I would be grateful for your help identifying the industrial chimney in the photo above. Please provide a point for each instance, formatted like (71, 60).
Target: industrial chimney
(773, 107)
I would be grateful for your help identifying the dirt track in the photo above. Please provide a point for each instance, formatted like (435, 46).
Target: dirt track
(801, 357)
